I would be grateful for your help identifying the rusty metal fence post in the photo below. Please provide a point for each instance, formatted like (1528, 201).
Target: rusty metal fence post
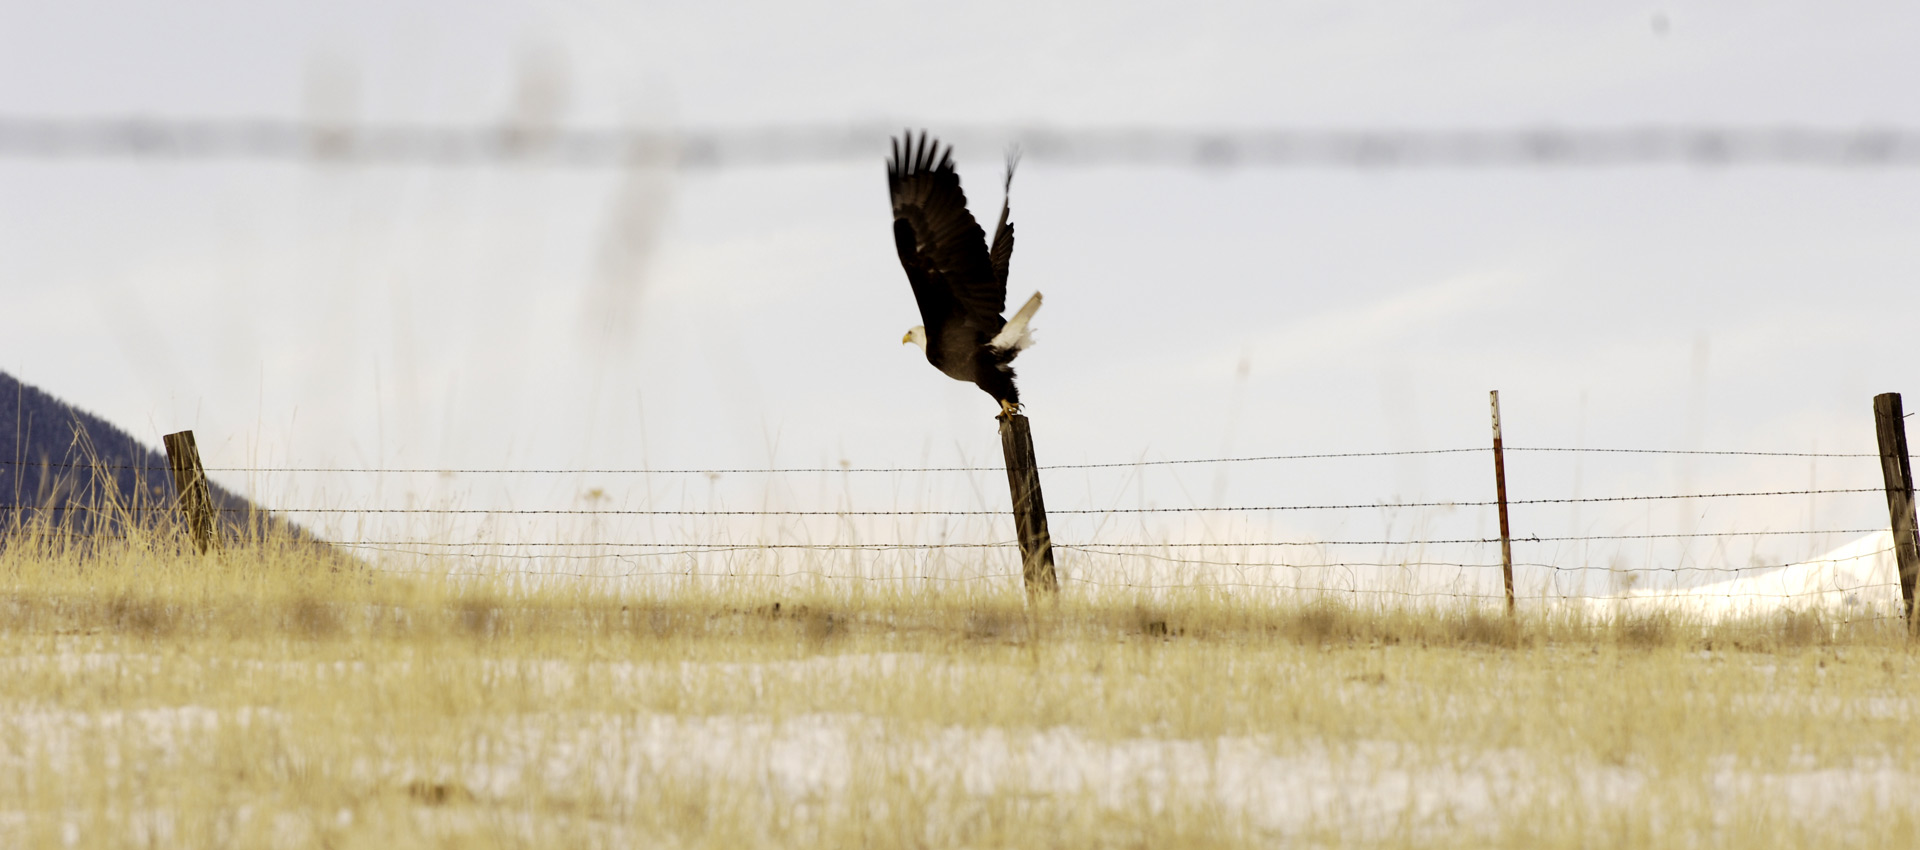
(1500, 489)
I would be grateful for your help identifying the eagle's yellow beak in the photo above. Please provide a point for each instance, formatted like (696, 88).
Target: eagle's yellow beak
(907, 338)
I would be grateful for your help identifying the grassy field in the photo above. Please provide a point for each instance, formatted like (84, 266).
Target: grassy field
(263, 699)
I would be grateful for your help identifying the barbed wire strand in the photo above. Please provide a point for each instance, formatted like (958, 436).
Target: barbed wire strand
(1664, 595)
(1491, 540)
(809, 470)
(1493, 566)
(1486, 597)
(1099, 545)
(1439, 541)
(1465, 503)
(1557, 568)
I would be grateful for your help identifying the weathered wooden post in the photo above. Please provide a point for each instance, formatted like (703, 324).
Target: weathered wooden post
(1897, 471)
(190, 485)
(1500, 489)
(1029, 510)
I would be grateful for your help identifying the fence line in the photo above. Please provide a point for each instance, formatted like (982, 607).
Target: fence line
(1467, 503)
(1694, 452)
(573, 544)
(1130, 565)
(1331, 565)
(1417, 594)
(1491, 540)
(1091, 547)
(809, 470)
(1457, 565)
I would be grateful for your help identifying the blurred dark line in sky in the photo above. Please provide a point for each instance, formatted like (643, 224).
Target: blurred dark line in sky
(521, 144)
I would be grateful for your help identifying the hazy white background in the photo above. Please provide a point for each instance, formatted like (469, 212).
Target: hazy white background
(315, 314)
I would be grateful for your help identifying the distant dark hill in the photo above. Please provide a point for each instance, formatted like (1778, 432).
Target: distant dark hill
(63, 464)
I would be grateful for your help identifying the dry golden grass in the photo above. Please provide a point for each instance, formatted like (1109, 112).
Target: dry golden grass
(156, 698)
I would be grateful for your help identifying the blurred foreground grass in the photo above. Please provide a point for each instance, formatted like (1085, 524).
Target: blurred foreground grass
(274, 696)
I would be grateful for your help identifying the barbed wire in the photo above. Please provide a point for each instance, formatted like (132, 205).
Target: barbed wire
(1557, 568)
(437, 550)
(1482, 597)
(1491, 540)
(634, 553)
(1104, 545)
(668, 550)
(271, 139)
(1091, 546)
(806, 470)
(253, 511)
(630, 557)
(819, 574)
(792, 470)
(1694, 452)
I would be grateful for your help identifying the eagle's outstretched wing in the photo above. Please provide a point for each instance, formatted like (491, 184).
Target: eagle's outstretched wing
(1001, 254)
(942, 248)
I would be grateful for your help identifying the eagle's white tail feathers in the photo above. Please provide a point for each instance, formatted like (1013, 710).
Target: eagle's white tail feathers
(1016, 334)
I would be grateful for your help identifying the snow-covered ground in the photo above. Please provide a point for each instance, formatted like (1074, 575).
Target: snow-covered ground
(1856, 582)
(1365, 790)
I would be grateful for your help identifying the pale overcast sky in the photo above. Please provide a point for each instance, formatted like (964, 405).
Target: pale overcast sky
(313, 314)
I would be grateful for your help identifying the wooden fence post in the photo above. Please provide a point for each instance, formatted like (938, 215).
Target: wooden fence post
(1500, 489)
(190, 485)
(1029, 510)
(1897, 471)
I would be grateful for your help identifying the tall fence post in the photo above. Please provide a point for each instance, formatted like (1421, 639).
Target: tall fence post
(1029, 510)
(1500, 489)
(1897, 471)
(190, 484)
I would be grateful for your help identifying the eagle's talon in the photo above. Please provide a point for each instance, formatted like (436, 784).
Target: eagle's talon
(1008, 409)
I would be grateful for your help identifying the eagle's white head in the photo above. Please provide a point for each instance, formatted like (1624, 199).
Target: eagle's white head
(916, 335)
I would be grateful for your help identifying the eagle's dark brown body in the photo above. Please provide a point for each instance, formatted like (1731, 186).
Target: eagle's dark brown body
(959, 282)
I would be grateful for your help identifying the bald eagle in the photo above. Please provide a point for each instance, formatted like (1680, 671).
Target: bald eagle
(959, 282)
